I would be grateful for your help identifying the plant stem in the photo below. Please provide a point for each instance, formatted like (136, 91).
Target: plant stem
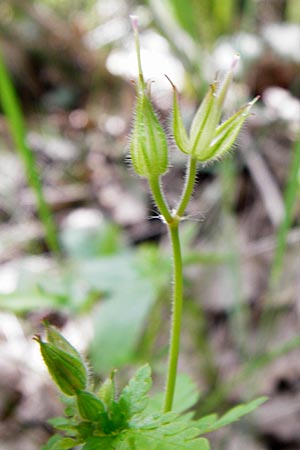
(188, 187)
(176, 317)
(159, 199)
(172, 221)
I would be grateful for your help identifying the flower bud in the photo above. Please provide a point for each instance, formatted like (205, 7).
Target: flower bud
(227, 132)
(148, 147)
(67, 371)
(207, 140)
(89, 406)
(205, 122)
(54, 337)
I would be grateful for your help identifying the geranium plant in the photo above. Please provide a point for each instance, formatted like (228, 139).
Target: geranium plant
(101, 417)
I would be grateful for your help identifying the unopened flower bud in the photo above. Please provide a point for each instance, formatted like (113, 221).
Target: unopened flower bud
(148, 147)
(89, 406)
(68, 371)
(207, 140)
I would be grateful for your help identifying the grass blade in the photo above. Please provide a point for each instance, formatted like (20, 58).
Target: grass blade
(14, 115)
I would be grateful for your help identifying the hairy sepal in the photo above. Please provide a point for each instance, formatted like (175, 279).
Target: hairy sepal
(148, 148)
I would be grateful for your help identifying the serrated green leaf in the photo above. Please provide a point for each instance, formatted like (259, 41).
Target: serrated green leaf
(206, 422)
(53, 440)
(107, 391)
(230, 416)
(65, 444)
(239, 411)
(64, 424)
(101, 443)
(186, 395)
(175, 436)
(134, 397)
(58, 442)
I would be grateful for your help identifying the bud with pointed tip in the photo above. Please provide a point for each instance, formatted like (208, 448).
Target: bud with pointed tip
(207, 140)
(90, 407)
(228, 131)
(54, 337)
(148, 147)
(68, 372)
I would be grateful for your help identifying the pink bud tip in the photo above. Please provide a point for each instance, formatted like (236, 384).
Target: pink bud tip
(134, 22)
(235, 60)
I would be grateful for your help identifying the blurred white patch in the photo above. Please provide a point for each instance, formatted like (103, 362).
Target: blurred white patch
(109, 8)
(53, 146)
(8, 278)
(83, 218)
(156, 61)
(282, 104)
(284, 39)
(107, 33)
(115, 125)
(247, 45)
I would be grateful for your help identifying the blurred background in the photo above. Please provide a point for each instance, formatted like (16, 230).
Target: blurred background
(80, 243)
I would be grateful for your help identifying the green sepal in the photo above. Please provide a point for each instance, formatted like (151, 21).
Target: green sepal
(227, 133)
(148, 148)
(179, 131)
(225, 83)
(67, 371)
(90, 407)
(204, 123)
(54, 337)
(106, 392)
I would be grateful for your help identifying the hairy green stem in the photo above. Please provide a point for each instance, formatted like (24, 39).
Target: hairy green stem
(172, 221)
(159, 199)
(176, 317)
(189, 186)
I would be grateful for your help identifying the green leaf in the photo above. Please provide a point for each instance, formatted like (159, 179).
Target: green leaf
(186, 395)
(102, 443)
(58, 442)
(230, 416)
(120, 320)
(170, 436)
(64, 424)
(134, 397)
(206, 423)
(65, 444)
(107, 391)
(239, 411)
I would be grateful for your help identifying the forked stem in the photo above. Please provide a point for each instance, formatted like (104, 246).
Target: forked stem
(172, 221)
(188, 187)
